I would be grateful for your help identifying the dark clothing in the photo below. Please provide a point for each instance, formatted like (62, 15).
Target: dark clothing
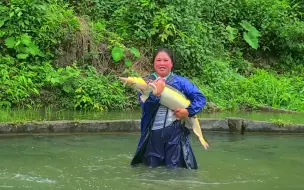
(164, 147)
(169, 146)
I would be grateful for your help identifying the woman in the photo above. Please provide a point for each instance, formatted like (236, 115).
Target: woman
(164, 139)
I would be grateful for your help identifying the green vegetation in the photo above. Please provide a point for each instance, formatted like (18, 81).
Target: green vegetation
(68, 54)
(282, 123)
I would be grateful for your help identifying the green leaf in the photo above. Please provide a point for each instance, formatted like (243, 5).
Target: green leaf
(19, 14)
(135, 52)
(251, 29)
(35, 91)
(117, 53)
(26, 39)
(41, 54)
(251, 40)
(10, 42)
(42, 7)
(232, 33)
(2, 33)
(60, 70)
(67, 88)
(2, 22)
(128, 63)
(17, 43)
(163, 37)
(34, 49)
(54, 80)
(251, 37)
(22, 56)
(246, 25)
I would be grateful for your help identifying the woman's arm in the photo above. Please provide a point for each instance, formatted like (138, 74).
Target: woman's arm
(197, 99)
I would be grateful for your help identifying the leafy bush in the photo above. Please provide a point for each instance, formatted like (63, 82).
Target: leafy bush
(220, 84)
(17, 82)
(30, 33)
(232, 91)
(218, 44)
(264, 88)
(86, 89)
(198, 31)
(32, 29)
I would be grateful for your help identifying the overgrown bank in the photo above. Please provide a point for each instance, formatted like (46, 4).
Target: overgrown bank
(68, 53)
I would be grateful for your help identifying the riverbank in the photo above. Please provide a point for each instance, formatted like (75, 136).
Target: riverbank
(75, 63)
(229, 124)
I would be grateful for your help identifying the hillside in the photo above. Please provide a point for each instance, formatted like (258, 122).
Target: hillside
(68, 54)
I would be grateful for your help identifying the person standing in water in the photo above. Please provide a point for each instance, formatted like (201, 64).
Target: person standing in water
(164, 140)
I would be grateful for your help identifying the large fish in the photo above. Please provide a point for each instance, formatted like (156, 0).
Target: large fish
(171, 98)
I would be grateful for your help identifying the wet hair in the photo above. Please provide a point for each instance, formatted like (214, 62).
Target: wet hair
(169, 53)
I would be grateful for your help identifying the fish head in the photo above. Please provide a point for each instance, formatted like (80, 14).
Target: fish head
(136, 83)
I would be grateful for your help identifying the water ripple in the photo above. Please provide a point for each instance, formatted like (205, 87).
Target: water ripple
(34, 179)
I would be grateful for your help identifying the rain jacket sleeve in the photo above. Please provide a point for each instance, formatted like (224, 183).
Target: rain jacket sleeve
(197, 99)
(139, 100)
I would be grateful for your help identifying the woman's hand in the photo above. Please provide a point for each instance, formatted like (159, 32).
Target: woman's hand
(181, 113)
(158, 86)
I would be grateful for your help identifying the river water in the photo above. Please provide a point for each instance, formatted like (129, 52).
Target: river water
(99, 161)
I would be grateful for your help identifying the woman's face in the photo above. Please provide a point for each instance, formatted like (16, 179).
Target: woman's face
(162, 64)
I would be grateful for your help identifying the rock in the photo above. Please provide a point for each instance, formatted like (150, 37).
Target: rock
(236, 125)
(263, 126)
(211, 107)
(214, 124)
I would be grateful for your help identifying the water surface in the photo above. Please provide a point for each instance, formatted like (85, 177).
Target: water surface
(97, 161)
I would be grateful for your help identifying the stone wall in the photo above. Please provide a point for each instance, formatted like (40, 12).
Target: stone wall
(232, 125)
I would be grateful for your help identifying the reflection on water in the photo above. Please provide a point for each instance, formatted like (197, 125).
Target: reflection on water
(50, 114)
(103, 162)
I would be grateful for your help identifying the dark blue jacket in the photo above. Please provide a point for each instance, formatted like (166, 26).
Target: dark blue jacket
(151, 105)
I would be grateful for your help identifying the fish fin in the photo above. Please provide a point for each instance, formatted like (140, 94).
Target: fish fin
(188, 123)
(198, 132)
